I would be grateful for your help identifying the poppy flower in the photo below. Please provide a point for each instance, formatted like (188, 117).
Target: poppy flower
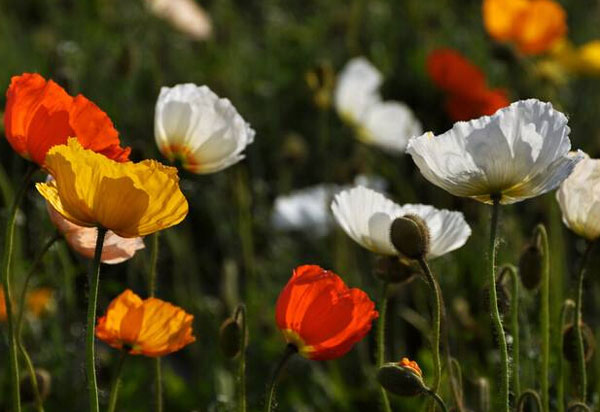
(385, 124)
(82, 240)
(366, 216)
(40, 114)
(131, 199)
(150, 327)
(484, 103)
(534, 26)
(40, 301)
(579, 199)
(185, 15)
(518, 153)
(195, 126)
(320, 315)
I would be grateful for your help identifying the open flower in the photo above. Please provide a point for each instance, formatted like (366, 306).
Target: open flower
(388, 124)
(150, 327)
(131, 199)
(518, 153)
(320, 315)
(534, 26)
(579, 199)
(82, 240)
(40, 114)
(194, 126)
(367, 216)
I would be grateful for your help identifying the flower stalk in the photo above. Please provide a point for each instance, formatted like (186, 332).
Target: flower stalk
(567, 306)
(380, 355)
(240, 317)
(541, 239)
(577, 325)
(91, 323)
(158, 397)
(514, 324)
(290, 350)
(116, 382)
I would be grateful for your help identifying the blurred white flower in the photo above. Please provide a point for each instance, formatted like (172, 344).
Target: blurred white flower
(579, 199)
(388, 124)
(306, 209)
(82, 240)
(185, 15)
(366, 216)
(203, 131)
(518, 153)
(375, 182)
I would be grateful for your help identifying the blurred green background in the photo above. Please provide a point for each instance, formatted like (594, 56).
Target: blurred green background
(119, 55)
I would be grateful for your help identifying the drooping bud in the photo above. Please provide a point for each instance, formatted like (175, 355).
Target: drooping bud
(394, 269)
(403, 378)
(410, 236)
(44, 383)
(570, 343)
(531, 266)
(230, 338)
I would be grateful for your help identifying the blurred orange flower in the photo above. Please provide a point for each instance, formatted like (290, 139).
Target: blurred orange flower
(534, 26)
(39, 301)
(414, 366)
(2, 306)
(467, 94)
(150, 327)
(40, 114)
(320, 315)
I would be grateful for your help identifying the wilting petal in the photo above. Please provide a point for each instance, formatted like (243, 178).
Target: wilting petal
(367, 216)
(131, 199)
(195, 126)
(319, 314)
(518, 153)
(579, 199)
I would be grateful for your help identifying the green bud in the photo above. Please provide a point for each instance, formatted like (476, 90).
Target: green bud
(410, 236)
(401, 379)
(531, 266)
(394, 269)
(570, 343)
(230, 337)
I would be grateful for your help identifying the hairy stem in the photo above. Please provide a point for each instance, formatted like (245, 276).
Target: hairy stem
(380, 355)
(577, 325)
(541, 238)
(116, 383)
(290, 350)
(240, 316)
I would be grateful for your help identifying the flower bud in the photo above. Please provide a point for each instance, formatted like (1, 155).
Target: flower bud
(410, 236)
(531, 266)
(403, 378)
(44, 382)
(230, 337)
(394, 269)
(570, 343)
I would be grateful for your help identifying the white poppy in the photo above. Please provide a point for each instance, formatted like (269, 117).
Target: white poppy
(367, 216)
(357, 90)
(390, 125)
(203, 131)
(518, 153)
(185, 15)
(306, 209)
(579, 199)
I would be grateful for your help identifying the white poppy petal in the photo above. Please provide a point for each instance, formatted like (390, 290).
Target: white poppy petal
(356, 89)
(390, 125)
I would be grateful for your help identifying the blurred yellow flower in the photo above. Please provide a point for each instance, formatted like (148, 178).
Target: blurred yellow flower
(589, 57)
(131, 199)
(39, 301)
(534, 26)
(150, 327)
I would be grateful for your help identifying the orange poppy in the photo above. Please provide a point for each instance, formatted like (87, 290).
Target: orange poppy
(411, 365)
(452, 73)
(320, 315)
(40, 301)
(150, 327)
(484, 103)
(40, 114)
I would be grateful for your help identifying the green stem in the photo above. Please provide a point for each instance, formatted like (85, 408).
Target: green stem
(6, 280)
(19, 324)
(529, 393)
(290, 350)
(116, 382)
(577, 325)
(514, 324)
(560, 390)
(91, 323)
(436, 322)
(240, 316)
(380, 355)
(541, 238)
(503, 402)
(158, 395)
(437, 398)
(578, 406)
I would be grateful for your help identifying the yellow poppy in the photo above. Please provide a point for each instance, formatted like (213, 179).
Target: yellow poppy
(150, 327)
(131, 199)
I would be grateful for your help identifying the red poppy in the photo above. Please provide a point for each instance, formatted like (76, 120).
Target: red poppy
(486, 102)
(320, 315)
(41, 114)
(454, 74)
